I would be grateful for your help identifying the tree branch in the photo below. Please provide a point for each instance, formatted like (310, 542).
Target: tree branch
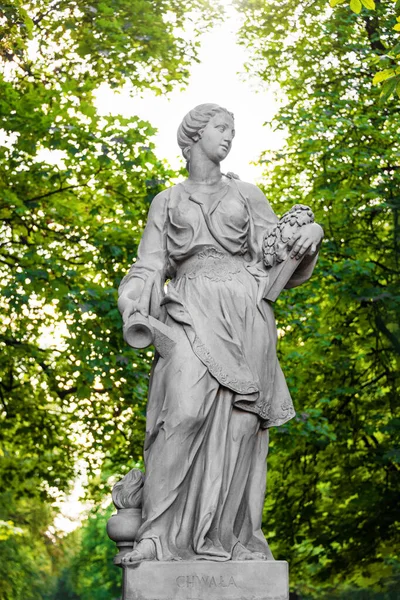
(387, 333)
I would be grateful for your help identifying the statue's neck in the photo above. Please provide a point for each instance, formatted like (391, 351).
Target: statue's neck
(203, 170)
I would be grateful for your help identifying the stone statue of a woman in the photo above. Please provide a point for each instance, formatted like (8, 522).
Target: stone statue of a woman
(216, 385)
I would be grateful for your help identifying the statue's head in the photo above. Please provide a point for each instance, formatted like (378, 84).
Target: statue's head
(194, 123)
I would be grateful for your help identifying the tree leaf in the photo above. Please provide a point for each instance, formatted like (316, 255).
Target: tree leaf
(388, 88)
(355, 6)
(382, 76)
(369, 4)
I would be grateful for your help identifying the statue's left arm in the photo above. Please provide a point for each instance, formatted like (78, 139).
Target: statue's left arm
(303, 245)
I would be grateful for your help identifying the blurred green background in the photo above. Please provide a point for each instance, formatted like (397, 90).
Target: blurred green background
(73, 395)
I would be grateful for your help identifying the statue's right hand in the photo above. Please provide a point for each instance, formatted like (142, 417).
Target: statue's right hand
(131, 308)
(128, 306)
(128, 302)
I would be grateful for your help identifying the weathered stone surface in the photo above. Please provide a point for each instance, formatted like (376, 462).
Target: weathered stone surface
(204, 580)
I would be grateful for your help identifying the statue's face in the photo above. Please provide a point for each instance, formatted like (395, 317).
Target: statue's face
(217, 136)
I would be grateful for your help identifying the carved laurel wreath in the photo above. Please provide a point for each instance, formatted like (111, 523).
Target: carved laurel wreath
(275, 248)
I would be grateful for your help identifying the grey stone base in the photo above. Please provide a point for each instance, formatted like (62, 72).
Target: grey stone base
(206, 580)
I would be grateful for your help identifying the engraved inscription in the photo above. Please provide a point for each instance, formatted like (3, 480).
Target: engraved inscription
(204, 581)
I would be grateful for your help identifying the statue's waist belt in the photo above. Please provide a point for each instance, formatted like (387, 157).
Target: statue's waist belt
(212, 263)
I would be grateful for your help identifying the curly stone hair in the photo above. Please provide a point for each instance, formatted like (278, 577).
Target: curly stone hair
(191, 128)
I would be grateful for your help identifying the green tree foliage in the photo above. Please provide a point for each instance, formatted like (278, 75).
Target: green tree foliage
(334, 486)
(88, 572)
(385, 48)
(28, 552)
(75, 190)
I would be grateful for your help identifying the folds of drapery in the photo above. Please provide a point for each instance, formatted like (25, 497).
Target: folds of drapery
(209, 410)
(156, 260)
(205, 464)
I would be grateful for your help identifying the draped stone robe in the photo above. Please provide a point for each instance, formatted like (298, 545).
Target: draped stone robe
(214, 396)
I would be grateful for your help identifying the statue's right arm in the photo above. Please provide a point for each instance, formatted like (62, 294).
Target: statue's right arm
(149, 268)
(129, 297)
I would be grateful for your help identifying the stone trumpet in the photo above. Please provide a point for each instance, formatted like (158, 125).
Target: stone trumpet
(140, 331)
(137, 330)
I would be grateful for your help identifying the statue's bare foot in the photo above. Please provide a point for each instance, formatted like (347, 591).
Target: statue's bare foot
(145, 550)
(259, 556)
(242, 553)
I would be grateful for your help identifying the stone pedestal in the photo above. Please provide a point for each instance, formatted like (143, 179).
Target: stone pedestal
(203, 580)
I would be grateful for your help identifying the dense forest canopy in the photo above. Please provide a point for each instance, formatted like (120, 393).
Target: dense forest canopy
(339, 477)
(75, 191)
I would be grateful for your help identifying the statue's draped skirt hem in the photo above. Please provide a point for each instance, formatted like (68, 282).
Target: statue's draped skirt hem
(206, 448)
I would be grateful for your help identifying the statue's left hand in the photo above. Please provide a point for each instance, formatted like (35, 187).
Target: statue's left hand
(306, 239)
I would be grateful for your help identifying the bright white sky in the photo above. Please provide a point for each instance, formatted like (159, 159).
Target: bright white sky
(215, 79)
(218, 78)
